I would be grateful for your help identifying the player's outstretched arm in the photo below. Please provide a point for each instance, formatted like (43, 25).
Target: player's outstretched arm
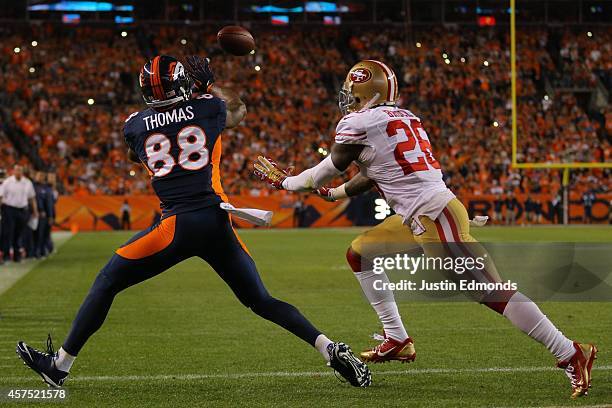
(201, 72)
(236, 109)
(311, 179)
(357, 185)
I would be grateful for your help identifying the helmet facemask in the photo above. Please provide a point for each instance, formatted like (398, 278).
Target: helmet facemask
(347, 102)
(346, 99)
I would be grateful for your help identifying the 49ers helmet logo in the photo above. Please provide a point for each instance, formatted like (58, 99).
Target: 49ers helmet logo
(360, 75)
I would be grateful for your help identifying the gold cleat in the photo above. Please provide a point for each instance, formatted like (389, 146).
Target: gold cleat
(578, 368)
(390, 350)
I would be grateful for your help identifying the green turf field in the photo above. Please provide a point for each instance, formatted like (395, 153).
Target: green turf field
(182, 340)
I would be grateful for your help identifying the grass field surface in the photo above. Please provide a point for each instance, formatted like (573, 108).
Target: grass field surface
(183, 340)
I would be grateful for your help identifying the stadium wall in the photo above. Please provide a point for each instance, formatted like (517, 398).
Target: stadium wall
(102, 213)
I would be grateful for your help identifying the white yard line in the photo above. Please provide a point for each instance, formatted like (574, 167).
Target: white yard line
(567, 406)
(11, 272)
(268, 374)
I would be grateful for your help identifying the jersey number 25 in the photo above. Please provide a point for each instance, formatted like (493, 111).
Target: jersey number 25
(193, 154)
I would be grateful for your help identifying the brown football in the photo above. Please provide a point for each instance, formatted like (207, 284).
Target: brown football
(235, 40)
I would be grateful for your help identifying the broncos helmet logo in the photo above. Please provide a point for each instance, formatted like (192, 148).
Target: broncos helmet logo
(178, 71)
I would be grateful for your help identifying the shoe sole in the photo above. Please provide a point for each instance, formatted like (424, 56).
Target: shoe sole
(347, 358)
(23, 349)
(376, 359)
(381, 360)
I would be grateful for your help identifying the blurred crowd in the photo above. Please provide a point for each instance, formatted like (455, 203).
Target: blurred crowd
(69, 89)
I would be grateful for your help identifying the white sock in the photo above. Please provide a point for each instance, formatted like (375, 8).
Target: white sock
(527, 316)
(321, 344)
(64, 361)
(383, 303)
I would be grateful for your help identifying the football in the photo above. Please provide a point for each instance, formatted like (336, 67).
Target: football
(236, 40)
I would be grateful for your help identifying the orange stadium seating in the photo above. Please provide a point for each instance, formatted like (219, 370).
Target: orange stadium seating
(465, 103)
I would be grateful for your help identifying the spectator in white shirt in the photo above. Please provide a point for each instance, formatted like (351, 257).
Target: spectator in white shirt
(16, 193)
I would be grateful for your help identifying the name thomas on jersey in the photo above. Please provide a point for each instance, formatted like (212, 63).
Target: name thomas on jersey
(163, 118)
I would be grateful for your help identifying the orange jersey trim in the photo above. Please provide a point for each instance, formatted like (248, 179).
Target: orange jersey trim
(215, 159)
(242, 244)
(155, 241)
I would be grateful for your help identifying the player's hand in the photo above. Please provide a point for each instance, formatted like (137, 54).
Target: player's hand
(325, 193)
(267, 170)
(200, 71)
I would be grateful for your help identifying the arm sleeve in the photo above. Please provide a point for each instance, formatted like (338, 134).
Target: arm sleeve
(350, 130)
(312, 178)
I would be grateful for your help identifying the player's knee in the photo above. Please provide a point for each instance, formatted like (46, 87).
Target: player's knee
(103, 285)
(107, 281)
(354, 259)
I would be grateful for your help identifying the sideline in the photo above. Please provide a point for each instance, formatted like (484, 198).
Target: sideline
(11, 272)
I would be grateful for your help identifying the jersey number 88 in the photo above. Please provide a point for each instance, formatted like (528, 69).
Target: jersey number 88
(193, 154)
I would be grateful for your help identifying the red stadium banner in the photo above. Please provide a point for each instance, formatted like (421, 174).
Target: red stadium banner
(103, 213)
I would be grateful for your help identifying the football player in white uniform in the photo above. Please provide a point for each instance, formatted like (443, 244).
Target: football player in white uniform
(394, 154)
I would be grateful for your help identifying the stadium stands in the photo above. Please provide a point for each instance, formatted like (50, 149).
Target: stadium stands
(457, 81)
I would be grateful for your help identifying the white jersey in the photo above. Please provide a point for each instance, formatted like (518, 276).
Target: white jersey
(17, 193)
(398, 157)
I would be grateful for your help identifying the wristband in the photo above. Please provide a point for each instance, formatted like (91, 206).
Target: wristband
(339, 193)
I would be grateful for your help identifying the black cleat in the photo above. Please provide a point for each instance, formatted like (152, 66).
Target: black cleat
(42, 363)
(344, 362)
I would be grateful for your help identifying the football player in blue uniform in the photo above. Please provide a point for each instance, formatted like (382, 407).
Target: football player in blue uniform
(178, 140)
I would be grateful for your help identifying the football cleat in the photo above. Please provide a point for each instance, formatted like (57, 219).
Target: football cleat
(390, 350)
(344, 362)
(42, 363)
(578, 368)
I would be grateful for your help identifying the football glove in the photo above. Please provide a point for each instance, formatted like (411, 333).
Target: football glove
(325, 193)
(200, 71)
(267, 170)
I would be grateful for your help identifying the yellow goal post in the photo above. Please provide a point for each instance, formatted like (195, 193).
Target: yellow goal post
(539, 165)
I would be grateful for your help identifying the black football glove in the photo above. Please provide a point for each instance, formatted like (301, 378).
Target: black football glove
(200, 71)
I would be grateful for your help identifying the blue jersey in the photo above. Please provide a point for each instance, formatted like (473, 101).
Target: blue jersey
(181, 148)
